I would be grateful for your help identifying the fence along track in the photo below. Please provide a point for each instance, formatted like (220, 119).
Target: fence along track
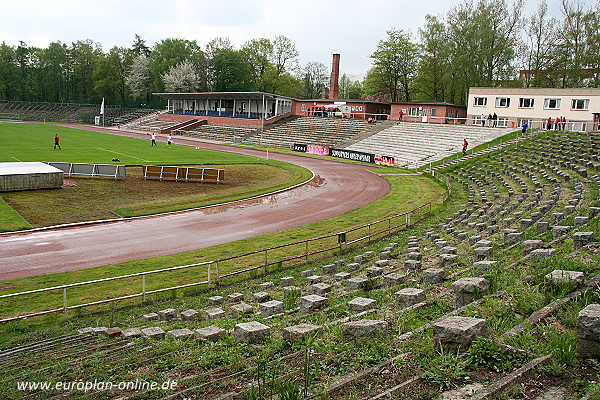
(333, 242)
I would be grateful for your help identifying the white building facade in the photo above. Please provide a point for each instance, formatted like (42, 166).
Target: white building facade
(580, 107)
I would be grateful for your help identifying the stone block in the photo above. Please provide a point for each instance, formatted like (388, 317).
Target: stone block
(297, 333)
(559, 276)
(440, 244)
(374, 272)
(352, 267)
(588, 332)
(393, 279)
(306, 273)
(530, 245)
(467, 290)
(433, 276)
(578, 221)
(266, 286)
(557, 216)
(358, 259)
(542, 253)
(386, 255)
(153, 332)
(408, 297)
(365, 328)
(251, 332)
(330, 269)
(369, 254)
(455, 334)
(272, 307)
(286, 281)
(448, 250)
(381, 263)
(311, 280)
(542, 227)
(181, 334)
(342, 276)
(360, 304)
(235, 297)
(213, 313)
(190, 314)
(240, 309)
(482, 253)
(447, 260)
(560, 230)
(167, 314)
(414, 249)
(526, 223)
(113, 332)
(581, 239)
(340, 263)
(216, 300)
(474, 239)
(86, 331)
(321, 288)
(483, 243)
(132, 333)
(209, 334)
(151, 316)
(412, 265)
(261, 297)
(357, 283)
(312, 302)
(484, 266)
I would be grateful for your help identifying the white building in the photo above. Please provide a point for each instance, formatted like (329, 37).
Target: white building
(514, 106)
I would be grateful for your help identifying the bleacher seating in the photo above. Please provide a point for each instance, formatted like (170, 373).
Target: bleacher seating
(71, 113)
(417, 144)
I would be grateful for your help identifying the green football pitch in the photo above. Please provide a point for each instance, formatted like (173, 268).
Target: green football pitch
(22, 142)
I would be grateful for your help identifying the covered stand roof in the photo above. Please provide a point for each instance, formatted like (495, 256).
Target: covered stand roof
(223, 96)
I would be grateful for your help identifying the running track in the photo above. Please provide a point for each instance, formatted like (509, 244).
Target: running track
(340, 187)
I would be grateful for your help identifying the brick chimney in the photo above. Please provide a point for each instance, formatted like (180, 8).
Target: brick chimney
(334, 88)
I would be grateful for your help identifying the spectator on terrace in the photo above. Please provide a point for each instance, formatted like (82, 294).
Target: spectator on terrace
(495, 119)
(525, 126)
(549, 123)
(482, 120)
(490, 119)
(465, 144)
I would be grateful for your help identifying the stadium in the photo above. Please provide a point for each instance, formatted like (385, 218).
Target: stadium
(297, 249)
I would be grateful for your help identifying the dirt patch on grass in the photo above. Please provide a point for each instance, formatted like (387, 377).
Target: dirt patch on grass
(89, 199)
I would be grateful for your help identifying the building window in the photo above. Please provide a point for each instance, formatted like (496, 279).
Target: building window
(303, 107)
(552, 104)
(580, 104)
(413, 112)
(480, 101)
(434, 112)
(525, 103)
(502, 102)
(502, 123)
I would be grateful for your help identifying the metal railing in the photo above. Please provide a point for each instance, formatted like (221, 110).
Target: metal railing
(295, 252)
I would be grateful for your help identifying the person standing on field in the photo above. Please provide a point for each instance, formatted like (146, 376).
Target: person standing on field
(56, 141)
(169, 140)
(154, 139)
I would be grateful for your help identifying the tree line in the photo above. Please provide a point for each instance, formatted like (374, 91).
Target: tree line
(476, 43)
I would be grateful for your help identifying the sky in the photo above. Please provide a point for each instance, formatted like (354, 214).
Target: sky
(351, 28)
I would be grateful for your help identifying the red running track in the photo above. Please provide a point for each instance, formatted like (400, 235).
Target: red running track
(340, 187)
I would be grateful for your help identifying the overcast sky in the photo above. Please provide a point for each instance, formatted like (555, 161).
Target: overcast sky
(318, 28)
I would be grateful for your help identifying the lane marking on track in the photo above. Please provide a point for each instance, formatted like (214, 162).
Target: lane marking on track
(16, 159)
(122, 154)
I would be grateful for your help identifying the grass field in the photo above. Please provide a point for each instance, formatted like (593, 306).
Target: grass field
(93, 199)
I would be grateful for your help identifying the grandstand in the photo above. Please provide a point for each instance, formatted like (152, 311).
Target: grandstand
(71, 113)
(503, 284)
(416, 144)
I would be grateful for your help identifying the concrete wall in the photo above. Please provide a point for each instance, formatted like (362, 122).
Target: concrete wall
(10, 183)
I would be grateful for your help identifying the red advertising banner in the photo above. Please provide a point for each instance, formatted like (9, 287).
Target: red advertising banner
(314, 149)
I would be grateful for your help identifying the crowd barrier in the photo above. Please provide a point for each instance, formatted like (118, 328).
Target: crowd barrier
(104, 170)
(186, 174)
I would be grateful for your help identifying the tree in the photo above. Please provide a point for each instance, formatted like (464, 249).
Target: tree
(396, 61)
(139, 46)
(542, 36)
(169, 53)
(591, 25)
(356, 90)
(181, 78)
(110, 75)
(54, 64)
(433, 67)
(139, 79)
(344, 84)
(8, 72)
(83, 56)
(315, 79)
(259, 52)
(232, 72)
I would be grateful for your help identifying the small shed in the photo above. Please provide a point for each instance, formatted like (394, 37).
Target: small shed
(28, 176)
